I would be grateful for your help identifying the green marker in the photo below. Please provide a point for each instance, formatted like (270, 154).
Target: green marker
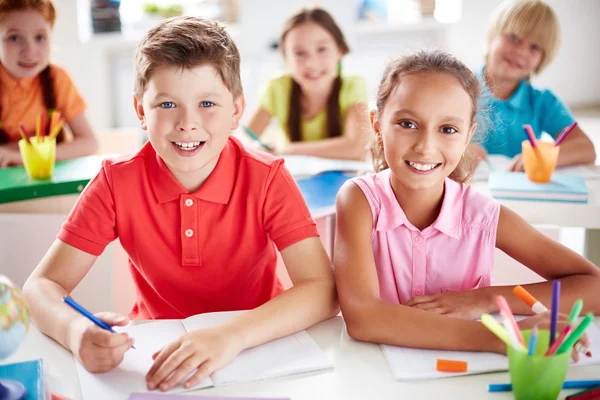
(253, 136)
(575, 312)
(576, 334)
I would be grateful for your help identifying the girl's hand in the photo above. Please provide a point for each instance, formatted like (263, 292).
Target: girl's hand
(466, 304)
(543, 322)
(99, 350)
(516, 164)
(9, 156)
(204, 350)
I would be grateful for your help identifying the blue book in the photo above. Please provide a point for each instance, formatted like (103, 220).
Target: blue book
(30, 374)
(516, 186)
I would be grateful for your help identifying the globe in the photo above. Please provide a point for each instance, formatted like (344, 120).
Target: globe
(14, 324)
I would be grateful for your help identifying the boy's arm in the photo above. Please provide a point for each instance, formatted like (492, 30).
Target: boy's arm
(84, 140)
(367, 316)
(577, 148)
(352, 144)
(59, 272)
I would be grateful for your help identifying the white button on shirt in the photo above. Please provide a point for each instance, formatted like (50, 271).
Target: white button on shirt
(189, 202)
(189, 233)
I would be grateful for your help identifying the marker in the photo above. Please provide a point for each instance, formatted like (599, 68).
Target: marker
(570, 322)
(77, 307)
(507, 387)
(451, 366)
(532, 341)
(511, 323)
(496, 328)
(253, 136)
(554, 313)
(528, 299)
(573, 337)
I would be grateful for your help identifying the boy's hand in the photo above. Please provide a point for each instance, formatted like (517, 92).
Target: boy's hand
(543, 322)
(466, 304)
(202, 351)
(99, 350)
(516, 164)
(9, 157)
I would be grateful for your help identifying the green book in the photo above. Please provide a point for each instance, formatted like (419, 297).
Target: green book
(69, 177)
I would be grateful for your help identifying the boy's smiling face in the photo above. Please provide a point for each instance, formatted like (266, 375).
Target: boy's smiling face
(188, 113)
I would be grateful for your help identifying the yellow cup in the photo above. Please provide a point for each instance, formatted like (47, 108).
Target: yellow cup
(539, 162)
(38, 157)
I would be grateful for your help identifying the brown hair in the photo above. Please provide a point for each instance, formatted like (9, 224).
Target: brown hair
(46, 8)
(533, 20)
(188, 42)
(334, 119)
(434, 62)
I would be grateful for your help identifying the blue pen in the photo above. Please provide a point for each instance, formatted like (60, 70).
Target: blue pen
(88, 315)
(253, 136)
(507, 387)
(532, 341)
(554, 313)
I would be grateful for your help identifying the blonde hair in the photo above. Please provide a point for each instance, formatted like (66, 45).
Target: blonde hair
(188, 42)
(426, 61)
(533, 20)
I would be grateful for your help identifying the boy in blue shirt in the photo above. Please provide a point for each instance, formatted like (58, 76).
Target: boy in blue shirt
(523, 38)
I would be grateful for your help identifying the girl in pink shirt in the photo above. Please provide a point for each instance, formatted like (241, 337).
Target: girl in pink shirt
(414, 245)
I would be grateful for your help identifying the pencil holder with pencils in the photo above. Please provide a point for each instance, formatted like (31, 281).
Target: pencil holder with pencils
(537, 376)
(39, 155)
(539, 161)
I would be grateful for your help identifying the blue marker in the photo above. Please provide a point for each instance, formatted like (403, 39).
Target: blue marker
(255, 137)
(77, 307)
(532, 341)
(507, 387)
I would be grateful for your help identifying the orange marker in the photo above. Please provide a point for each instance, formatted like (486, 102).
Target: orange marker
(528, 299)
(451, 366)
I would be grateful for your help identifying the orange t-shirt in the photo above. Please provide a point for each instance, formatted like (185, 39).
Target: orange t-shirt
(22, 100)
(189, 253)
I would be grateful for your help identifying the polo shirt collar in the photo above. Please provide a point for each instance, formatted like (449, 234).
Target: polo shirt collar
(392, 216)
(7, 81)
(518, 100)
(217, 188)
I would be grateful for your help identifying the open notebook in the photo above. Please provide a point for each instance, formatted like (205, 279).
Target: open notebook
(288, 355)
(414, 364)
(306, 166)
(500, 163)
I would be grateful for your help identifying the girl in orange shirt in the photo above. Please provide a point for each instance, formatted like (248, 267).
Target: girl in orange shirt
(30, 85)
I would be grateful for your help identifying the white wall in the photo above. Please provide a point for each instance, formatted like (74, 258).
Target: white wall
(102, 67)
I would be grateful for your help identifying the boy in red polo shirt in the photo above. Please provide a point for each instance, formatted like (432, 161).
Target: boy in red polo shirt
(199, 215)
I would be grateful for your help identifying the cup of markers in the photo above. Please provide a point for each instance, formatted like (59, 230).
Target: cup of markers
(39, 151)
(537, 364)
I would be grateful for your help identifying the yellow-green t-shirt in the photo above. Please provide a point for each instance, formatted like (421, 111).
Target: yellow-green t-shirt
(276, 100)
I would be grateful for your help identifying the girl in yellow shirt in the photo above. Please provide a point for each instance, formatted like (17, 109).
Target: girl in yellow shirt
(322, 112)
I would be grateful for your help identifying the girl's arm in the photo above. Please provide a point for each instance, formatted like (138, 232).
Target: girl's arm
(577, 148)
(367, 316)
(84, 140)
(351, 145)
(259, 121)
(551, 260)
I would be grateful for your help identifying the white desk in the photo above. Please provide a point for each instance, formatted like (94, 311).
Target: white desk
(360, 372)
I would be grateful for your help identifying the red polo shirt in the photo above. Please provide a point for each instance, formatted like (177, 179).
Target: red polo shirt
(190, 253)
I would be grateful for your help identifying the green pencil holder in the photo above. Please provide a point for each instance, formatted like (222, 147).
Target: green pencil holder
(537, 377)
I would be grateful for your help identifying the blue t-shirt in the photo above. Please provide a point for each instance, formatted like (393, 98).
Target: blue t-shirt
(503, 120)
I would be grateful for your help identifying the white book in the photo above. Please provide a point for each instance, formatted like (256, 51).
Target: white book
(307, 166)
(500, 163)
(418, 364)
(292, 354)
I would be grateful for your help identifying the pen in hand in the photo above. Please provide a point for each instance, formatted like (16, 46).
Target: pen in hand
(77, 307)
